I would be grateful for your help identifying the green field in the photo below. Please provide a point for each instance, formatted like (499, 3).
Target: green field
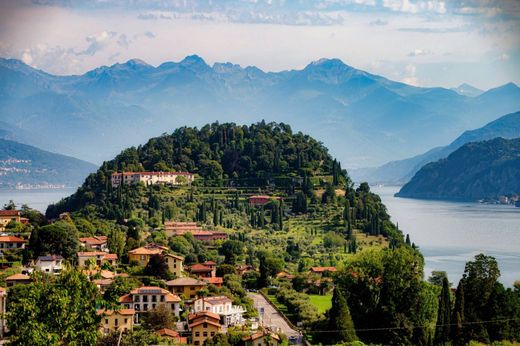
(322, 303)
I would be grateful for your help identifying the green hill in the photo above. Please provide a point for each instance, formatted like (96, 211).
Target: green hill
(22, 164)
(477, 170)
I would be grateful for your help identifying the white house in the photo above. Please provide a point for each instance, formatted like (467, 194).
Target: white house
(49, 264)
(147, 298)
(223, 306)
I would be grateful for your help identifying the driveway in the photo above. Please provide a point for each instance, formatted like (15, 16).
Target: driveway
(269, 317)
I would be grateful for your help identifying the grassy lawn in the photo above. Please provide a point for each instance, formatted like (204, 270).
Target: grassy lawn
(323, 303)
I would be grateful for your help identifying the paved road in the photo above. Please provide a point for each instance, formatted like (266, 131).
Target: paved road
(271, 318)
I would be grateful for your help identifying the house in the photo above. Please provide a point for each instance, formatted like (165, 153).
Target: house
(49, 264)
(116, 320)
(172, 228)
(147, 298)
(104, 274)
(11, 242)
(202, 271)
(152, 178)
(217, 281)
(97, 243)
(186, 287)
(172, 335)
(3, 302)
(262, 338)
(262, 199)
(175, 264)
(241, 269)
(203, 325)
(7, 216)
(322, 270)
(97, 258)
(17, 279)
(230, 314)
(102, 284)
(283, 275)
(143, 254)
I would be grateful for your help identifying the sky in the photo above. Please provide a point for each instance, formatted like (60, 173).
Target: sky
(424, 43)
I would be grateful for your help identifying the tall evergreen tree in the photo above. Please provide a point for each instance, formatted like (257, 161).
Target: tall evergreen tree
(339, 320)
(442, 330)
(457, 318)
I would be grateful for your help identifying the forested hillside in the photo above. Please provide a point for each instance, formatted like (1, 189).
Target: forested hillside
(477, 170)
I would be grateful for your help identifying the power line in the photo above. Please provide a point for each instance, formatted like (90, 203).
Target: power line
(413, 327)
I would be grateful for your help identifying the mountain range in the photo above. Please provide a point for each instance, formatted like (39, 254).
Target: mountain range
(477, 170)
(401, 171)
(25, 166)
(365, 119)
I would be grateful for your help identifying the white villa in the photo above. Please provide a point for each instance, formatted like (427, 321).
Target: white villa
(151, 178)
(223, 306)
(49, 264)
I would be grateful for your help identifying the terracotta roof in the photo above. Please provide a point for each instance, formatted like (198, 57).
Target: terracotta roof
(2, 290)
(104, 255)
(98, 240)
(111, 256)
(258, 335)
(203, 314)
(168, 332)
(120, 312)
(103, 282)
(200, 268)
(323, 269)
(204, 320)
(127, 298)
(210, 263)
(11, 239)
(180, 258)
(105, 274)
(145, 251)
(18, 277)
(10, 212)
(214, 280)
(152, 173)
(185, 282)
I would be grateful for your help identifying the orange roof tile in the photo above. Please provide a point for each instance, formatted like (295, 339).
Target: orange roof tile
(11, 239)
(323, 269)
(18, 277)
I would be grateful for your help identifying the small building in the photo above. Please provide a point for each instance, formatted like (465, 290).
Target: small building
(143, 254)
(8, 242)
(97, 258)
(147, 298)
(52, 264)
(241, 269)
(17, 279)
(103, 284)
(175, 264)
(116, 320)
(7, 216)
(202, 271)
(230, 314)
(152, 178)
(322, 270)
(96, 243)
(216, 280)
(283, 275)
(262, 199)
(186, 287)
(172, 335)
(262, 338)
(203, 325)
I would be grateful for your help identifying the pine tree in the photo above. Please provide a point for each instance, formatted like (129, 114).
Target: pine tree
(408, 240)
(442, 331)
(339, 319)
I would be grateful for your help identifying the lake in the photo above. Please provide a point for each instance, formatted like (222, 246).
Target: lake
(36, 199)
(451, 233)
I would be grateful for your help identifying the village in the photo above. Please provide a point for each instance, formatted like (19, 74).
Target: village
(189, 295)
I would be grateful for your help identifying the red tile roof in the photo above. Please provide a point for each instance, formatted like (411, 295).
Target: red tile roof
(10, 212)
(214, 280)
(18, 277)
(185, 282)
(323, 269)
(11, 239)
(200, 268)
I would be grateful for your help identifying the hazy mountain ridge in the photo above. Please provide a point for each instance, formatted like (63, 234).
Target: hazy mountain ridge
(477, 170)
(26, 165)
(364, 118)
(401, 171)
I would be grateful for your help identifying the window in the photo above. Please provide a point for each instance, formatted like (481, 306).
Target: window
(162, 298)
(154, 298)
(145, 307)
(196, 343)
(197, 333)
(116, 322)
(173, 306)
(137, 307)
(145, 299)
(126, 321)
(212, 333)
(205, 325)
(153, 306)
(136, 298)
(106, 320)
(205, 334)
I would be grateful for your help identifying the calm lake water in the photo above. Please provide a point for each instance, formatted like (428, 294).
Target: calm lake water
(36, 199)
(451, 233)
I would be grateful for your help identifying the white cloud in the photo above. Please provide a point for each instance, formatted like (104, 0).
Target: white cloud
(97, 42)
(420, 52)
(410, 75)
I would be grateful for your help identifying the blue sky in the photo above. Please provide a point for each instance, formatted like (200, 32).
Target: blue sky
(425, 43)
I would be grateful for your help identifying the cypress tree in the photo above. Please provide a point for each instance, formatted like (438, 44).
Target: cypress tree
(458, 317)
(339, 319)
(442, 330)
(408, 240)
(280, 214)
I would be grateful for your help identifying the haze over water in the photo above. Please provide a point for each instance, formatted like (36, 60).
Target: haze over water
(451, 233)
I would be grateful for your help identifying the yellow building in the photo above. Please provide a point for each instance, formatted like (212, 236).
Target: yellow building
(186, 287)
(143, 254)
(116, 320)
(7, 216)
(203, 325)
(96, 258)
(175, 264)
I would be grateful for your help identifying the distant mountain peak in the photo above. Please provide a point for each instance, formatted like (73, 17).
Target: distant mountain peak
(328, 62)
(466, 89)
(194, 59)
(136, 62)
